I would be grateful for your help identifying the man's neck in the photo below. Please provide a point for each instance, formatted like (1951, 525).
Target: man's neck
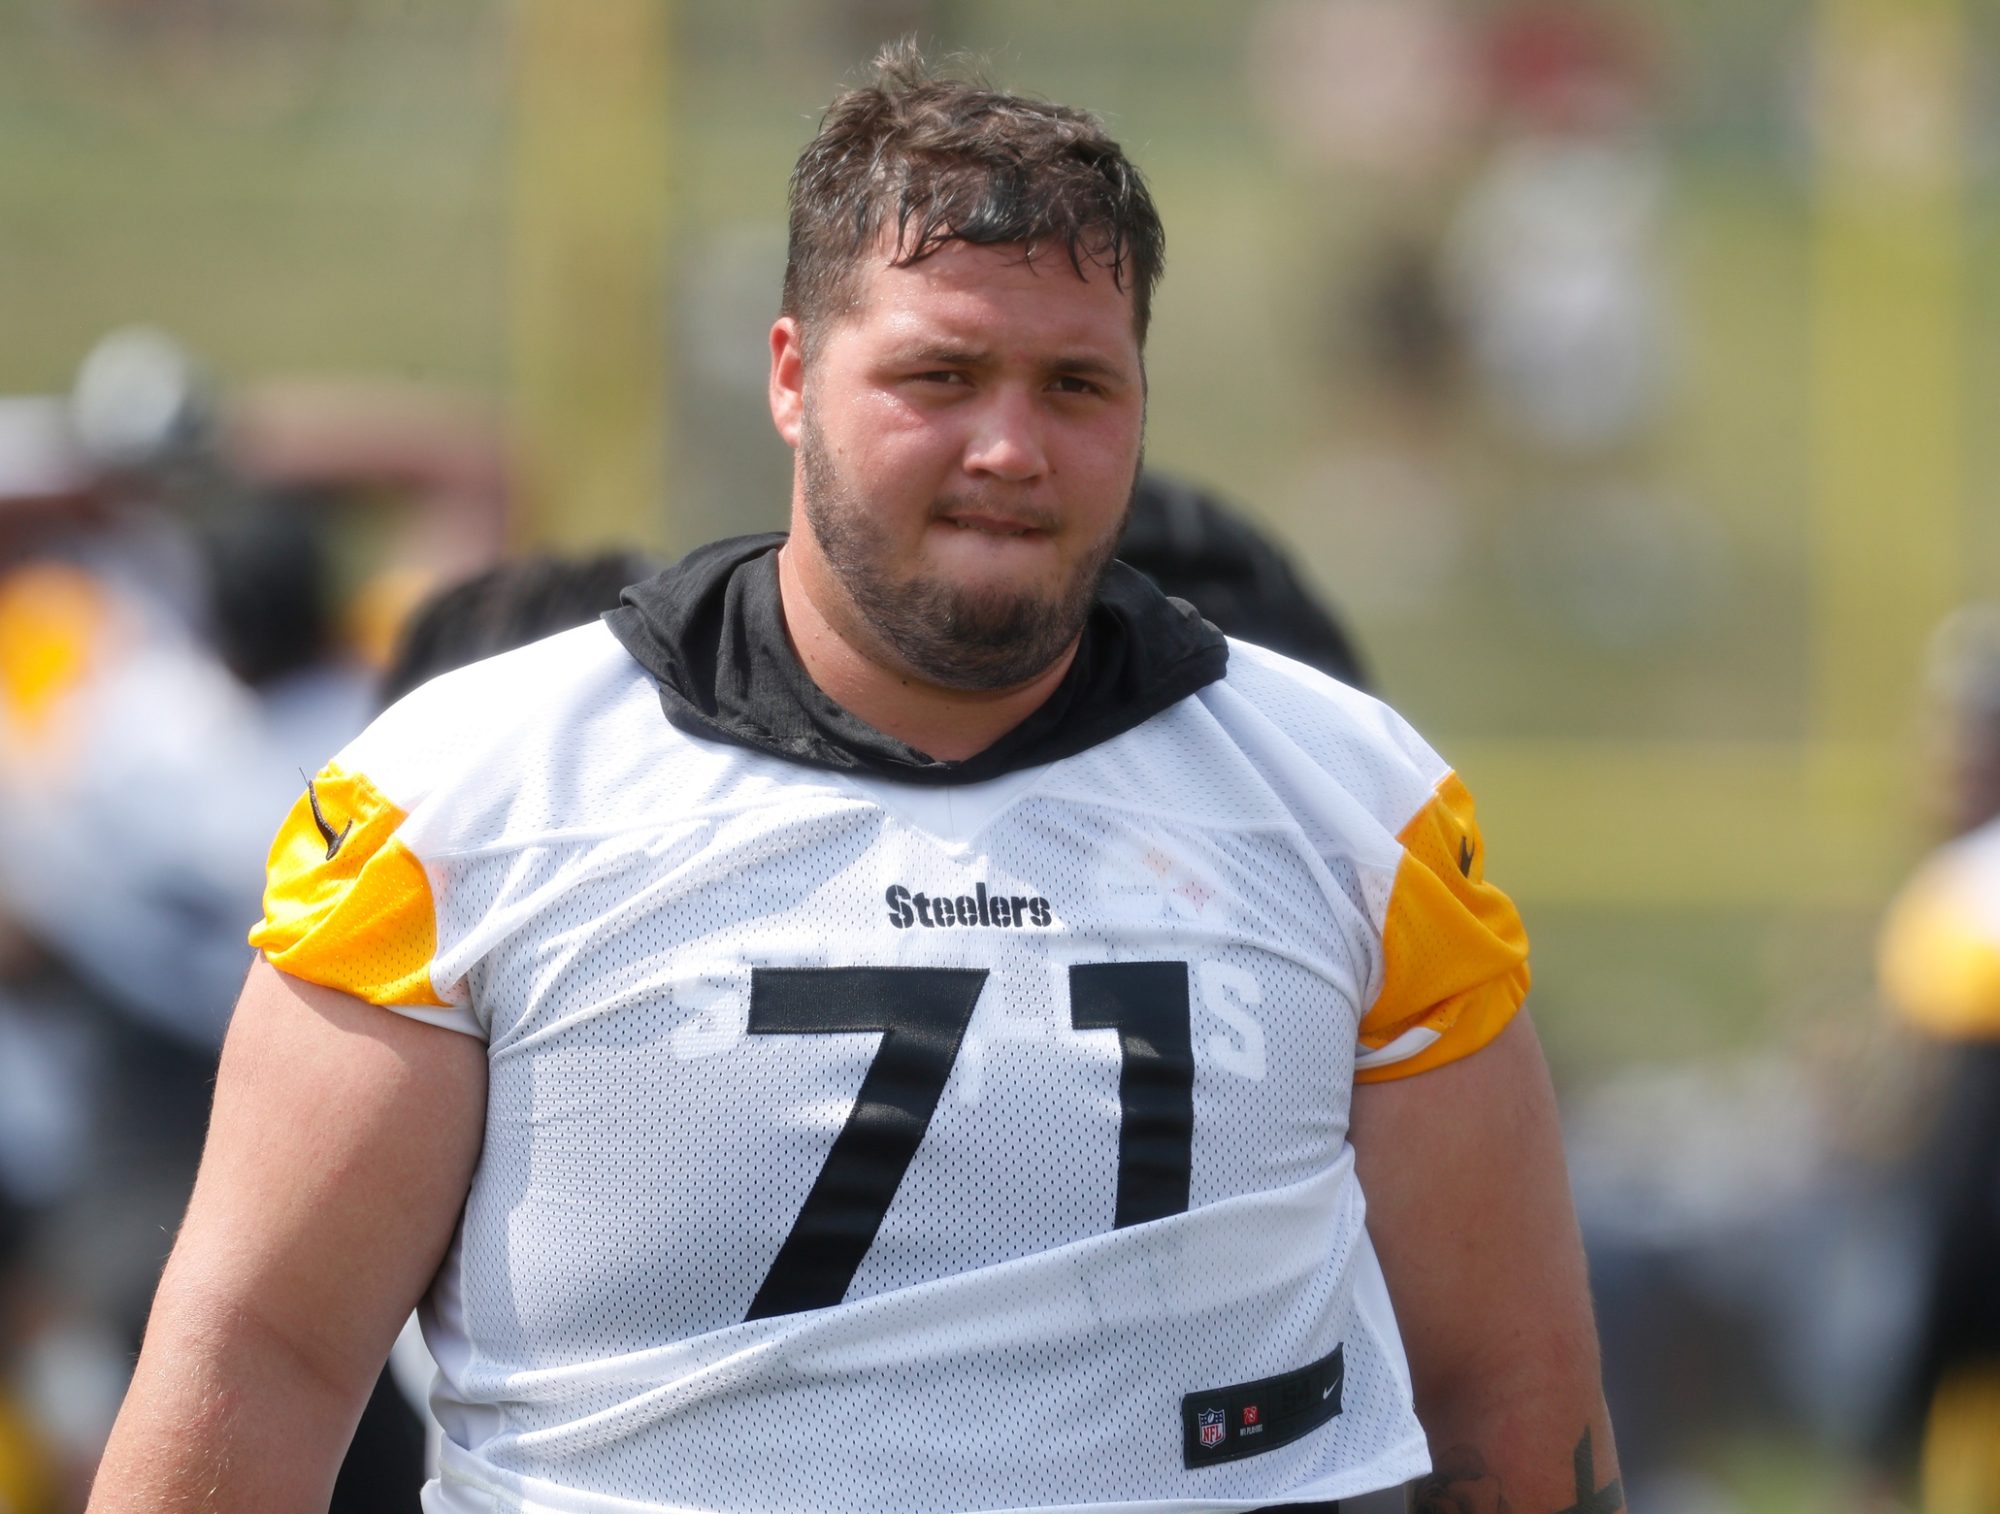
(947, 724)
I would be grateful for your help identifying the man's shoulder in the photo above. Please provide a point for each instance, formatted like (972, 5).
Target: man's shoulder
(1272, 742)
(1286, 716)
(1269, 677)
(499, 699)
(525, 682)
(525, 719)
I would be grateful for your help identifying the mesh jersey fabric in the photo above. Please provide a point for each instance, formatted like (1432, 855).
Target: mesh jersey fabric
(667, 943)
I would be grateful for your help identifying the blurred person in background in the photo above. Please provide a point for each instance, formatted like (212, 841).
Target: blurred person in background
(1196, 547)
(511, 604)
(173, 652)
(1554, 259)
(1555, 266)
(119, 863)
(1940, 971)
(794, 701)
(31, 1473)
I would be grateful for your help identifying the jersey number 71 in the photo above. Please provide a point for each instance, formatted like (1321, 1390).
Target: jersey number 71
(922, 1013)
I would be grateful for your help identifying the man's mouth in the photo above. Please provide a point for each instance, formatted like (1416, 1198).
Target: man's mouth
(986, 524)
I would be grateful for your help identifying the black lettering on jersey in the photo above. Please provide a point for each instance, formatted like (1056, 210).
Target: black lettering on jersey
(1147, 1004)
(922, 1013)
(996, 911)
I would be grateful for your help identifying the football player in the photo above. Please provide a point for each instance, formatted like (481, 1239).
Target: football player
(1940, 971)
(901, 1015)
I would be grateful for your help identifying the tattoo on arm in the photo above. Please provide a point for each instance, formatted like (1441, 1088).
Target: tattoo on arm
(1591, 1499)
(1463, 1485)
(1460, 1485)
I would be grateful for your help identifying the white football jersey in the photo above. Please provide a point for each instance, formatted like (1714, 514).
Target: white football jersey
(856, 1144)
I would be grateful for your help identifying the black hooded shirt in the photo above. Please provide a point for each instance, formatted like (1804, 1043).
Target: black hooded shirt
(711, 631)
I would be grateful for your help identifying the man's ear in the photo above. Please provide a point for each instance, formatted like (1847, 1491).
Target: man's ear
(788, 378)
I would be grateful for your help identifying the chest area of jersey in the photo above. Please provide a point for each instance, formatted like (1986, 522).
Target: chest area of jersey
(802, 1065)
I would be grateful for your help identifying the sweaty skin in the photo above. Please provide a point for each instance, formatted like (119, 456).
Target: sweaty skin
(970, 433)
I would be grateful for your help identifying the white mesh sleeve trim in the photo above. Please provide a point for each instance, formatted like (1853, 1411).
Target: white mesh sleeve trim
(458, 1017)
(1416, 1039)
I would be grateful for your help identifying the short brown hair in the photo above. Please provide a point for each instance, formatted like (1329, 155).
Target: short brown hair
(956, 161)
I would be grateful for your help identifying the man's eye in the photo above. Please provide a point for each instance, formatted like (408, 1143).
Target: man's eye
(1070, 384)
(942, 376)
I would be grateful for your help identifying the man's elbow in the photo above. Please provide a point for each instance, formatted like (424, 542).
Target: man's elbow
(225, 1344)
(1527, 1362)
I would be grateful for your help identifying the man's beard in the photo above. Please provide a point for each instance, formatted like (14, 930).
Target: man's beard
(977, 640)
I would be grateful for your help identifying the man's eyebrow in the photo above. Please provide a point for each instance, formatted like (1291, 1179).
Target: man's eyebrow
(941, 354)
(1086, 365)
(950, 355)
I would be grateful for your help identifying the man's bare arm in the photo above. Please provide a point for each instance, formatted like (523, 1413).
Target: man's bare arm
(339, 1152)
(1469, 1209)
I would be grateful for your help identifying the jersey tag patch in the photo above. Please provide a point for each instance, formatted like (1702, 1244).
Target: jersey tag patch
(1227, 1424)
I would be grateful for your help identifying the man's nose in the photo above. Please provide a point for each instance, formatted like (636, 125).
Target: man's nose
(1006, 441)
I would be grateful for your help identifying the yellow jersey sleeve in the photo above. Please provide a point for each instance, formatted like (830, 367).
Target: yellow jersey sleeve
(1939, 957)
(1454, 952)
(347, 904)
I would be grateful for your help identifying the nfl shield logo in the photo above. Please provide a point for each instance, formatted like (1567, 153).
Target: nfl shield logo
(1211, 1423)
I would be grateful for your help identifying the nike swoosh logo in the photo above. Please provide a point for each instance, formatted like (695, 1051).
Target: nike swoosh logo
(1326, 1393)
(319, 819)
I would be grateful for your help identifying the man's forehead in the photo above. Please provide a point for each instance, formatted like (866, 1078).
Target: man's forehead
(1093, 255)
(970, 284)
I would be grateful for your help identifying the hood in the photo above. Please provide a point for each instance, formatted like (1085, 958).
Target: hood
(711, 630)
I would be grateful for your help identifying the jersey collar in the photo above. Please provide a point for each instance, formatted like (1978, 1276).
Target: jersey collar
(711, 630)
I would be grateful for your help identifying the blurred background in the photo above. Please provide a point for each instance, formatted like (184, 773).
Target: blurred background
(1615, 369)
